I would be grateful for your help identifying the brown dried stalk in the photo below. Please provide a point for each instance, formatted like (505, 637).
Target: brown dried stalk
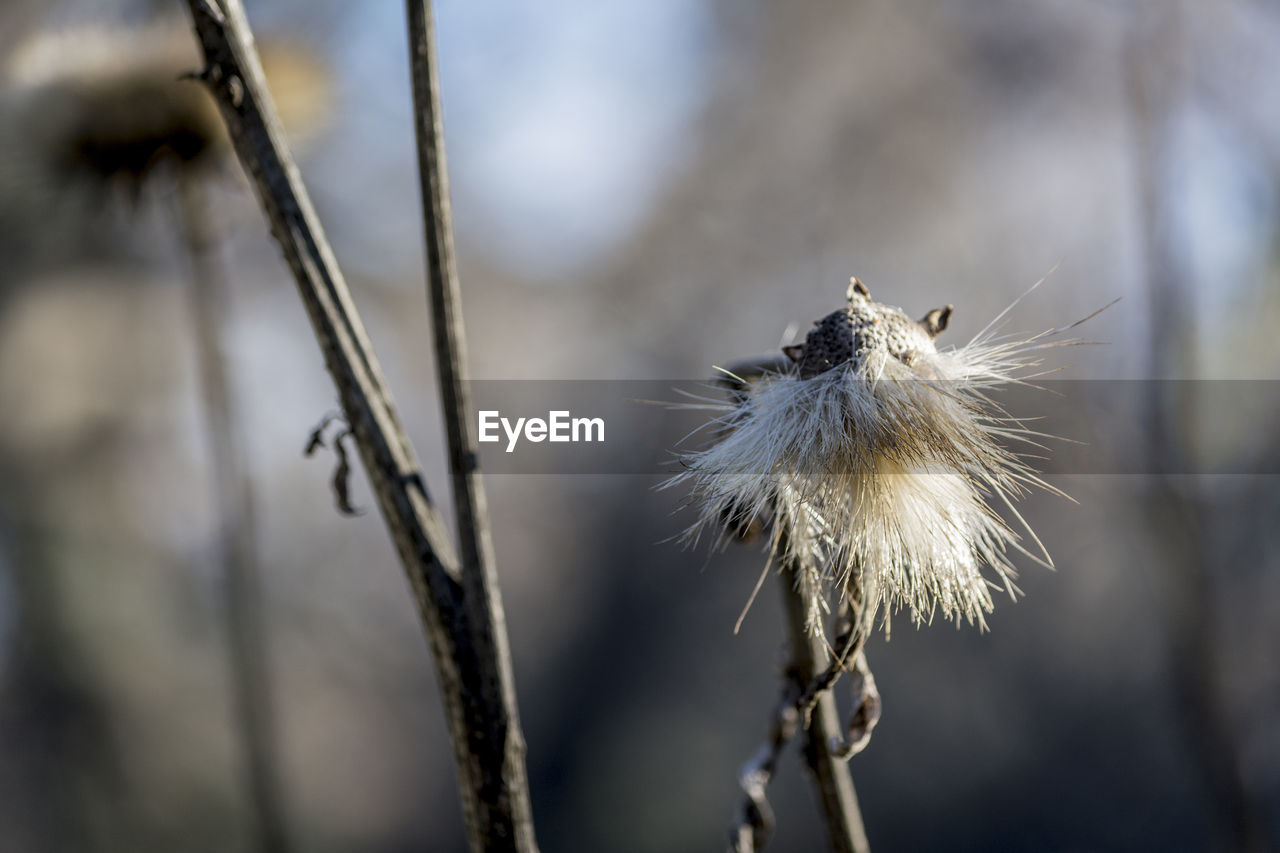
(457, 600)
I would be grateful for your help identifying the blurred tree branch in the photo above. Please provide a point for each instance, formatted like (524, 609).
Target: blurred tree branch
(468, 646)
(1174, 504)
(237, 535)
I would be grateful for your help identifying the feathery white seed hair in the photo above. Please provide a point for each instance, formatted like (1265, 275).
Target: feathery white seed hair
(874, 456)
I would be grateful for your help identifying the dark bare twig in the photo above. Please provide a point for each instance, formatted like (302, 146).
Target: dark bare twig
(237, 537)
(848, 648)
(315, 438)
(866, 710)
(753, 822)
(831, 773)
(471, 657)
(341, 481)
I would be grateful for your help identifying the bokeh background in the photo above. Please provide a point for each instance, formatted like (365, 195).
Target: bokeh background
(643, 189)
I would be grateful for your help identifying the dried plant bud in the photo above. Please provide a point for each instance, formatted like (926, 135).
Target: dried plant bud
(879, 454)
(856, 332)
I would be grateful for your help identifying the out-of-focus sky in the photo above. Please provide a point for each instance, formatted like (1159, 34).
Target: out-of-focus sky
(565, 121)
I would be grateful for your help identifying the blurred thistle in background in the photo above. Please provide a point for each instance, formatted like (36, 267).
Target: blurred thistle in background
(93, 106)
(102, 103)
(643, 188)
(105, 110)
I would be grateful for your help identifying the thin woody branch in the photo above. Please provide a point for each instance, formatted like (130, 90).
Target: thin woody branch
(809, 706)
(505, 779)
(753, 821)
(237, 542)
(848, 649)
(823, 737)
(471, 658)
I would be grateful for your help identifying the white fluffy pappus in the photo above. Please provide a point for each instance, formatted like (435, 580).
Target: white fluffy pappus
(875, 459)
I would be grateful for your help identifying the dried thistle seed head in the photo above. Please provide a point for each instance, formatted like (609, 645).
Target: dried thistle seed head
(875, 457)
(862, 328)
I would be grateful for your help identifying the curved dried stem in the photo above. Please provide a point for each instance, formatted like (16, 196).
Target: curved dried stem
(753, 822)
